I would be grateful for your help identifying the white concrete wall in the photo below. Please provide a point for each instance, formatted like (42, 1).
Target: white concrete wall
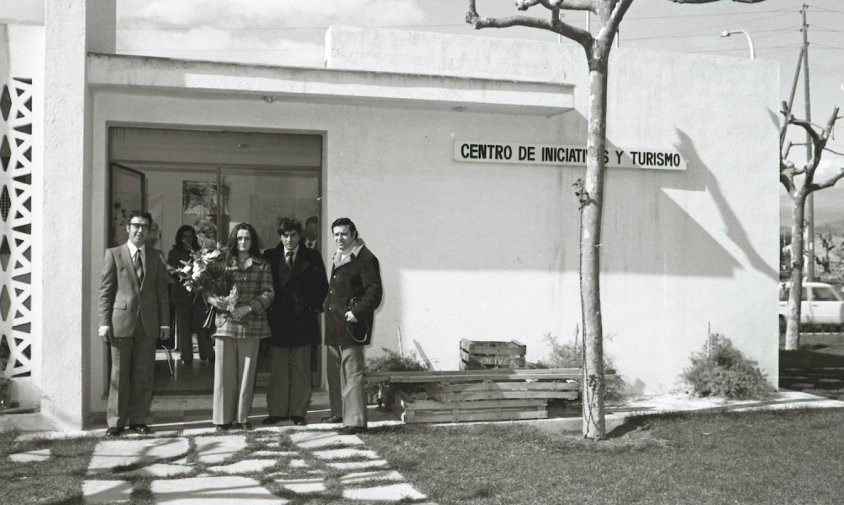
(72, 30)
(489, 252)
(682, 251)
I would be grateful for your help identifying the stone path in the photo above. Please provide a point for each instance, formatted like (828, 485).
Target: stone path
(267, 468)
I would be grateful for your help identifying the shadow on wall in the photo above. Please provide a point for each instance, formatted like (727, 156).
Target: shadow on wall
(647, 233)
(523, 218)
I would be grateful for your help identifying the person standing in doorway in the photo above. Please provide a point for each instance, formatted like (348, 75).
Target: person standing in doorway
(133, 313)
(311, 238)
(300, 285)
(354, 292)
(190, 309)
(240, 331)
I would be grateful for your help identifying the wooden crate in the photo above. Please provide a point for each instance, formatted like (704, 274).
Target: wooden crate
(480, 354)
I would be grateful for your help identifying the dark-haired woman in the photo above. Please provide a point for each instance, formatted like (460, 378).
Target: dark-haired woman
(240, 331)
(191, 311)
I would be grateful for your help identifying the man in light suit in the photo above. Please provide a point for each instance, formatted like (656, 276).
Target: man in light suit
(133, 313)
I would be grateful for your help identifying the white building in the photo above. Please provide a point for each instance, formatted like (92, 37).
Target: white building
(470, 247)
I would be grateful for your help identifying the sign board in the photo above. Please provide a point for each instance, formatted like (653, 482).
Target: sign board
(549, 154)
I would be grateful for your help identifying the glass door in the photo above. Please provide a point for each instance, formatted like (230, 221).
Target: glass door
(262, 196)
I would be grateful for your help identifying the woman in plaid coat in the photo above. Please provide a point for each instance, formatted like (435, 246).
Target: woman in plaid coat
(240, 331)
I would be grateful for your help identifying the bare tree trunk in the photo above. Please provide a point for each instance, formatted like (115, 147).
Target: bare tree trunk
(591, 199)
(792, 331)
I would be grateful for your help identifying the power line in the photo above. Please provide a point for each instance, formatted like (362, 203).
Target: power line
(731, 15)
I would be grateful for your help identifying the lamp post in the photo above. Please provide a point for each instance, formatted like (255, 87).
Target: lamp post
(727, 33)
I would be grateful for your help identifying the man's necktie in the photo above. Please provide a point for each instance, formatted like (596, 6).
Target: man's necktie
(289, 259)
(139, 267)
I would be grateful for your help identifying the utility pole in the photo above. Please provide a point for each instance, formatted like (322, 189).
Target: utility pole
(810, 200)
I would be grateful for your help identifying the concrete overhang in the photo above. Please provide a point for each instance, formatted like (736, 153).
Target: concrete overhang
(319, 85)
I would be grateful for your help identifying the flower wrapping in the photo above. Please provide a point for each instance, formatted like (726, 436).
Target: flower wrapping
(207, 275)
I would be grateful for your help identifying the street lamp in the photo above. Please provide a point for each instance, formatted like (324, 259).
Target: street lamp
(727, 33)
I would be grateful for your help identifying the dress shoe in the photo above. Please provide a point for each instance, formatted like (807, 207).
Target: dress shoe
(245, 426)
(113, 432)
(298, 420)
(141, 429)
(273, 420)
(222, 427)
(352, 430)
(332, 419)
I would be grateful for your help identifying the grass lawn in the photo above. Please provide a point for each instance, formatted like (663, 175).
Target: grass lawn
(57, 481)
(794, 457)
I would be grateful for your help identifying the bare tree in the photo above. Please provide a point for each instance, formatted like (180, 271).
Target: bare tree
(589, 190)
(799, 183)
(827, 244)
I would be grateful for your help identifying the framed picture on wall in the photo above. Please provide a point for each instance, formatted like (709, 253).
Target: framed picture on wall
(128, 193)
(200, 204)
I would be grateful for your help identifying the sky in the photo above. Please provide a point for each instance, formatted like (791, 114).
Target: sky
(291, 32)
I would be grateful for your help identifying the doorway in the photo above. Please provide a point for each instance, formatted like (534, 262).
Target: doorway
(211, 180)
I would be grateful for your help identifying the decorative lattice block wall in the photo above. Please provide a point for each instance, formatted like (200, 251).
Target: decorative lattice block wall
(16, 223)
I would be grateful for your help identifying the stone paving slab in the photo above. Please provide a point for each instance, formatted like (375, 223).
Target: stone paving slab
(358, 465)
(298, 463)
(213, 491)
(361, 477)
(158, 470)
(388, 493)
(213, 450)
(110, 454)
(332, 454)
(30, 456)
(318, 440)
(302, 486)
(243, 466)
(106, 491)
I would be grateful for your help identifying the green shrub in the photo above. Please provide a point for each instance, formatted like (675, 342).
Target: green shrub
(571, 356)
(719, 369)
(392, 361)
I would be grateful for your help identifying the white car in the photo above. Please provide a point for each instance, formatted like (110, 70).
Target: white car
(821, 305)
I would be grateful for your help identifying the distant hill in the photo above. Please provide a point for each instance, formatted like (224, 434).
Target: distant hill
(836, 227)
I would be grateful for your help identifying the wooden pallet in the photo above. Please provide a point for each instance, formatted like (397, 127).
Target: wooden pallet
(493, 374)
(503, 390)
(431, 411)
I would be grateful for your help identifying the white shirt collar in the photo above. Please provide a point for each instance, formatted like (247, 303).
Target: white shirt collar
(132, 250)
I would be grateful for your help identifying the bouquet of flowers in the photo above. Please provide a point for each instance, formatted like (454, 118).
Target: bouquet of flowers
(207, 275)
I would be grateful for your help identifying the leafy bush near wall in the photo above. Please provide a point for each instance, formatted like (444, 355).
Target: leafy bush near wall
(392, 361)
(719, 369)
(571, 356)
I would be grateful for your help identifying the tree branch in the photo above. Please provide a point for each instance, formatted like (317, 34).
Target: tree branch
(575, 5)
(578, 35)
(827, 183)
(615, 17)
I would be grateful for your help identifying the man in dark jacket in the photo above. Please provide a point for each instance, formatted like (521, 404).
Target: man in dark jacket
(300, 287)
(354, 292)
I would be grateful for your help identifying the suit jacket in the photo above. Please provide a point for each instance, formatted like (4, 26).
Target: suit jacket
(123, 299)
(299, 293)
(354, 286)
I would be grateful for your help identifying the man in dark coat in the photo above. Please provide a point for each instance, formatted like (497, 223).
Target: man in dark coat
(354, 292)
(300, 285)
